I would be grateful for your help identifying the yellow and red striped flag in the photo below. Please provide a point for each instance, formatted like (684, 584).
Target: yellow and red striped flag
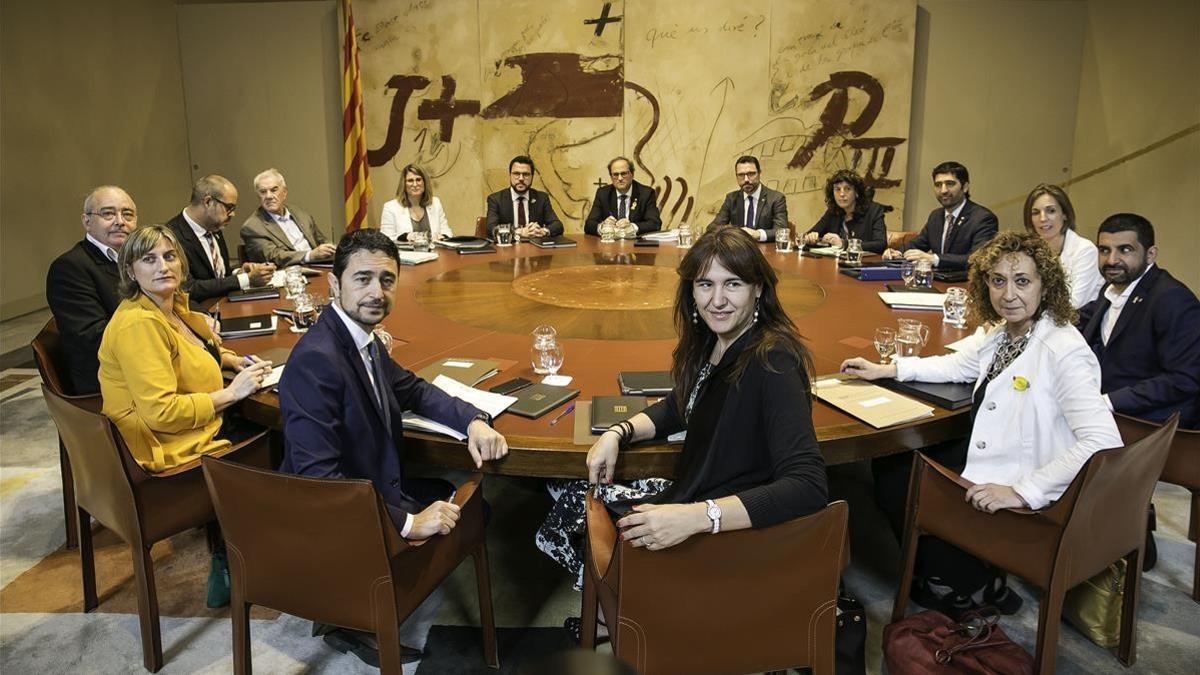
(355, 177)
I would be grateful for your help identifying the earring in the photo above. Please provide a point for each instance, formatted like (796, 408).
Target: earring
(755, 311)
(695, 316)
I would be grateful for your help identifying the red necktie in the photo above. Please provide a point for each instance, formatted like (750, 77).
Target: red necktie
(521, 212)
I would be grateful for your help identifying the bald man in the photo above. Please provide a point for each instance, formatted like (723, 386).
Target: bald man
(81, 286)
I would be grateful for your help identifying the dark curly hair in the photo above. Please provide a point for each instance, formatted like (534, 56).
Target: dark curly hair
(862, 201)
(1056, 297)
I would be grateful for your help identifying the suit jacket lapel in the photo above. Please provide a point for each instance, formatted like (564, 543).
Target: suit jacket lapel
(274, 229)
(350, 351)
(199, 248)
(958, 224)
(1134, 306)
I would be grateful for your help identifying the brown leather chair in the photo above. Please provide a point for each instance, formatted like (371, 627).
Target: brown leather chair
(741, 601)
(140, 507)
(326, 550)
(1100, 518)
(1182, 469)
(48, 354)
(481, 227)
(898, 239)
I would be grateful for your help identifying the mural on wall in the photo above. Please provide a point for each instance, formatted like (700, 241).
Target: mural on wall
(682, 88)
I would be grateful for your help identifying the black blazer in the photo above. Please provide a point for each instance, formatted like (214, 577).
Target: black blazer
(769, 213)
(975, 226)
(643, 210)
(81, 288)
(500, 210)
(1151, 365)
(868, 227)
(202, 283)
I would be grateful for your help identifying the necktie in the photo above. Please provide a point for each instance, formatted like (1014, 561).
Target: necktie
(110, 254)
(946, 230)
(521, 212)
(621, 213)
(750, 211)
(214, 254)
(378, 377)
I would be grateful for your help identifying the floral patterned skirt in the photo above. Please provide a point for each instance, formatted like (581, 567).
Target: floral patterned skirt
(561, 534)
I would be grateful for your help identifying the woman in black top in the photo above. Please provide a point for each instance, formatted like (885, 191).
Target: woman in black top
(850, 213)
(750, 458)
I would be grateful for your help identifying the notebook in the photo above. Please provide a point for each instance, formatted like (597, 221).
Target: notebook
(417, 257)
(553, 242)
(468, 371)
(538, 399)
(869, 402)
(463, 242)
(915, 301)
(264, 293)
(608, 410)
(948, 395)
(645, 382)
(248, 326)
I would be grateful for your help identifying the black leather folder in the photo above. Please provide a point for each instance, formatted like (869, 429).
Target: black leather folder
(948, 395)
(538, 399)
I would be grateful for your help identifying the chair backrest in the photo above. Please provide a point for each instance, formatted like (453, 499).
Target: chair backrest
(50, 359)
(1108, 519)
(102, 484)
(1183, 462)
(481, 227)
(743, 601)
(310, 547)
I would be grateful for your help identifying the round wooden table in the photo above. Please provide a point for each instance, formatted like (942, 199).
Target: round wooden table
(611, 305)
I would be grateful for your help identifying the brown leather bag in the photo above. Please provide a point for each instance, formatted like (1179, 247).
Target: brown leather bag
(930, 643)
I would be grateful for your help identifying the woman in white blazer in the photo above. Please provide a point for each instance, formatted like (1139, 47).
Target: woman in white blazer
(1038, 413)
(1049, 213)
(414, 208)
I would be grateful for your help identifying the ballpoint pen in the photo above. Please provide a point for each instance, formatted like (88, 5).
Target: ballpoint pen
(570, 409)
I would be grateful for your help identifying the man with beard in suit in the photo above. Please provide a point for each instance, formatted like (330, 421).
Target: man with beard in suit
(754, 207)
(198, 228)
(527, 209)
(955, 229)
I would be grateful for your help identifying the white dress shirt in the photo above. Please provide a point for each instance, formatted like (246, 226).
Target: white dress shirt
(1116, 304)
(362, 340)
(202, 235)
(108, 251)
(514, 194)
(757, 194)
(291, 229)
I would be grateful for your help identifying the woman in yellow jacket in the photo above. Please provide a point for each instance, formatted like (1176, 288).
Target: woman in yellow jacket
(160, 367)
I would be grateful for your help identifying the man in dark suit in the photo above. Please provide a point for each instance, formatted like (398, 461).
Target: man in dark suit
(953, 231)
(281, 234)
(626, 204)
(755, 208)
(198, 227)
(528, 210)
(342, 398)
(1144, 328)
(81, 286)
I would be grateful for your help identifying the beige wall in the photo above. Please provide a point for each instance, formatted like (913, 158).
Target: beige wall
(1019, 91)
(90, 95)
(1139, 86)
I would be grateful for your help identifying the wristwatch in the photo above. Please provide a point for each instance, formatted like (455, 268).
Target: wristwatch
(714, 514)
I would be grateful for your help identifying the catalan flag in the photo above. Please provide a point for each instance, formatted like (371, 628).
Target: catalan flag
(355, 178)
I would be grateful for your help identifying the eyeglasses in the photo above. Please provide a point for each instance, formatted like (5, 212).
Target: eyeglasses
(229, 208)
(522, 174)
(109, 215)
(621, 174)
(747, 174)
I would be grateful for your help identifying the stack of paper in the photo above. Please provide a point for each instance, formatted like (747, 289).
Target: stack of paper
(920, 301)
(870, 403)
(492, 404)
(417, 257)
(661, 235)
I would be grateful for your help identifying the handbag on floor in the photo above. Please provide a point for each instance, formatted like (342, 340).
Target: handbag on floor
(930, 643)
(1094, 607)
(850, 640)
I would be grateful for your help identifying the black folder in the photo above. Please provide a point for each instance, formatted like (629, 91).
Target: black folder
(538, 399)
(948, 395)
(645, 382)
(553, 242)
(608, 410)
(264, 293)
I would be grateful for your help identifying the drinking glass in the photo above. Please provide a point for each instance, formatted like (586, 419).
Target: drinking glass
(783, 240)
(885, 343)
(305, 313)
(954, 307)
(294, 281)
(504, 234)
(908, 271)
(923, 277)
(684, 232)
(420, 241)
(608, 232)
(552, 359)
(546, 354)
